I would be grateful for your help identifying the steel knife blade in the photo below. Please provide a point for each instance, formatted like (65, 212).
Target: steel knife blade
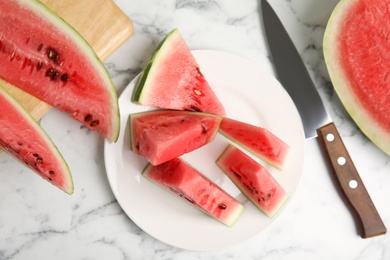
(294, 77)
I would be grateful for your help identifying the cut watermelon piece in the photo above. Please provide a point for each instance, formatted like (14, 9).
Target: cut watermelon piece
(162, 135)
(188, 184)
(172, 80)
(256, 140)
(356, 52)
(253, 180)
(24, 139)
(46, 57)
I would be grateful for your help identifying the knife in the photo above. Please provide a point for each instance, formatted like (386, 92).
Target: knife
(295, 78)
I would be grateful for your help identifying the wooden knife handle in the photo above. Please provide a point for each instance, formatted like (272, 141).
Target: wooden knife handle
(350, 182)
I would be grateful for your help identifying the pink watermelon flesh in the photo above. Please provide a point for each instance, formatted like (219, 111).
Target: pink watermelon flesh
(356, 51)
(162, 135)
(188, 184)
(172, 80)
(44, 56)
(257, 140)
(253, 180)
(24, 139)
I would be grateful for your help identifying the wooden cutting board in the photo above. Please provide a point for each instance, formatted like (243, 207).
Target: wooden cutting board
(103, 25)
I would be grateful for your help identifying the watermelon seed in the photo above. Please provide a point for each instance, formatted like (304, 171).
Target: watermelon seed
(52, 73)
(51, 172)
(197, 92)
(39, 159)
(88, 118)
(39, 65)
(52, 54)
(238, 175)
(94, 123)
(50, 179)
(222, 206)
(194, 108)
(35, 155)
(64, 78)
(40, 46)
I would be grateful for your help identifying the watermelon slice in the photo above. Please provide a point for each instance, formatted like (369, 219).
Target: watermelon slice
(356, 47)
(162, 135)
(44, 56)
(24, 139)
(257, 140)
(188, 184)
(253, 180)
(172, 80)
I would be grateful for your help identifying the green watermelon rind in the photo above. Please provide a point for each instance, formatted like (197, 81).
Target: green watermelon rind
(379, 136)
(95, 61)
(139, 91)
(68, 188)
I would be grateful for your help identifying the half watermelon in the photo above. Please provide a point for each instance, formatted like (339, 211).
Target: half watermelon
(172, 80)
(356, 52)
(254, 181)
(46, 57)
(256, 140)
(162, 135)
(185, 182)
(24, 139)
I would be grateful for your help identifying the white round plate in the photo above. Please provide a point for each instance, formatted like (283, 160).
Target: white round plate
(250, 95)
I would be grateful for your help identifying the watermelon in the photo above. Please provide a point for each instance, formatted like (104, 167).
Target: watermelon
(162, 135)
(23, 138)
(187, 183)
(172, 80)
(257, 140)
(254, 181)
(46, 57)
(356, 48)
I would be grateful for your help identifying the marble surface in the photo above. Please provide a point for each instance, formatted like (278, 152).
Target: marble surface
(37, 221)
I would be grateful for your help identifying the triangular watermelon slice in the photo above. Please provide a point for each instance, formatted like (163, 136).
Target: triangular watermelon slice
(24, 139)
(163, 135)
(172, 80)
(256, 140)
(46, 57)
(187, 183)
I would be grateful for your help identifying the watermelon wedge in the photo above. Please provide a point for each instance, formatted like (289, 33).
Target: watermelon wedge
(356, 48)
(162, 135)
(185, 182)
(172, 80)
(47, 58)
(254, 181)
(25, 140)
(256, 140)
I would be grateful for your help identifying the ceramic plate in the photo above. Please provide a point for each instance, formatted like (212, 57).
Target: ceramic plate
(249, 94)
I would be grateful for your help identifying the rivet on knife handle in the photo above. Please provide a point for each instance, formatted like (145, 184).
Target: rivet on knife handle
(350, 182)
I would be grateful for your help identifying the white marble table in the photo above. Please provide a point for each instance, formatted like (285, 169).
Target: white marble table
(38, 221)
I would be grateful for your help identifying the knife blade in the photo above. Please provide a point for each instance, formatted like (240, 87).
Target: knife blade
(294, 77)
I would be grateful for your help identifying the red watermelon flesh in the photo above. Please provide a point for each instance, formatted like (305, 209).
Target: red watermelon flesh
(172, 80)
(253, 180)
(356, 52)
(257, 140)
(188, 184)
(44, 56)
(162, 135)
(24, 139)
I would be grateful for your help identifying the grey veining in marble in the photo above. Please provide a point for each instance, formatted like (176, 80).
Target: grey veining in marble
(39, 222)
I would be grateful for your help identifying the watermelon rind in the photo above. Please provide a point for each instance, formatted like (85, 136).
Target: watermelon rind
(33, 128)
(74, 37)
(366, 122)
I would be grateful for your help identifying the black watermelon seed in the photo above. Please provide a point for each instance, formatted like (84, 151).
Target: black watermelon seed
(222, 206)
(88, 118)
(35, 155)
(39, 65)
(51, 172)
(40, 47)
(64, 78)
